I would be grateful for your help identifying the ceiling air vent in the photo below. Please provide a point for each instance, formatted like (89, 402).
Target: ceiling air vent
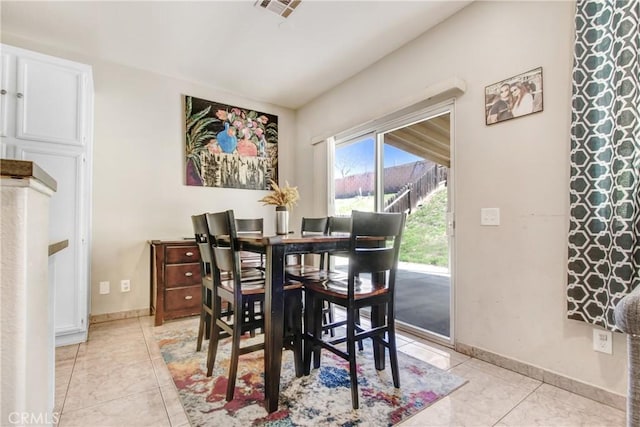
(283, 8)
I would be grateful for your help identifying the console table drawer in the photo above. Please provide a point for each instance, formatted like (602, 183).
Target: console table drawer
(179, 299)
(182, 275)
(181, 254)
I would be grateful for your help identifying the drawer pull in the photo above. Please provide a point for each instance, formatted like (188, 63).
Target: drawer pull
(188, 274)
(188, 297)
(189, 254)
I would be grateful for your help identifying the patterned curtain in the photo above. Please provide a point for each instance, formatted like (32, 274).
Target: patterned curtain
(604, 229)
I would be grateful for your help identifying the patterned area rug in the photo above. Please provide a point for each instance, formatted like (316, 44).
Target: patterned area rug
(320, 399)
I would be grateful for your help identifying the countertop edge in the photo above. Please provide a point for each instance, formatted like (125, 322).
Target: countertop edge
(20, 169)
(58, 246)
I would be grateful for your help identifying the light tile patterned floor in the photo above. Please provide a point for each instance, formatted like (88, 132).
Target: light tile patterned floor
(118, 378)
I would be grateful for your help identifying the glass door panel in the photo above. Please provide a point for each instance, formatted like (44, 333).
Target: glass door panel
(415, 171)
(354, 175)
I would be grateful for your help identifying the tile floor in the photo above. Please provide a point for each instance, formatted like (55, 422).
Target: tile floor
(118, 378)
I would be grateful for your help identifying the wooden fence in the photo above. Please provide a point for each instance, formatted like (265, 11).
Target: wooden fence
(409, 196)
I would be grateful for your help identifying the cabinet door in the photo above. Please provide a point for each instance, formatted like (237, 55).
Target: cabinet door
(50, 100)
(5, 92)
(68, 220)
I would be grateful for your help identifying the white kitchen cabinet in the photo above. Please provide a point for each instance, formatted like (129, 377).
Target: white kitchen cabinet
(46, 116)
(44, 98)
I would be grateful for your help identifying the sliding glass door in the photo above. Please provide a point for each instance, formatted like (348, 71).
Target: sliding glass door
(404, 166)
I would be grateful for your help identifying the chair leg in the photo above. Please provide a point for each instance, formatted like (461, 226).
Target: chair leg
(251, 312)
(204, 317)
(325, 320)
(317, 330)
(201, 329)
(235, 356)
(229, 311)
(261, 311)
(332, 332)
(294, 301)
(309, 331)
(351, 351)
(213, 346)
(327, 317)
(313, 331)
(378, 319)
(393, 353)
(357, 320)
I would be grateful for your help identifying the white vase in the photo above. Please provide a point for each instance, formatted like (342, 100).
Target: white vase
(282, 220)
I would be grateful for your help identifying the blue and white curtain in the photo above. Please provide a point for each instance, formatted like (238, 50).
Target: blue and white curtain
(604, 230)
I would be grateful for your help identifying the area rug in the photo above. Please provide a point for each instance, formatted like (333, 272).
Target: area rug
(322, 398)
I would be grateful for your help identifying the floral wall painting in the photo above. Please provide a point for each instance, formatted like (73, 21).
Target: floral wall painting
(514, 97)
(229, 146)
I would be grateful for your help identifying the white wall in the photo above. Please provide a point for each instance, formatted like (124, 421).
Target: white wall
(138, 173)
(510, 280)
(27, 360)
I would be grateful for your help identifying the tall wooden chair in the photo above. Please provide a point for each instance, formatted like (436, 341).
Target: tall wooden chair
(373, 250)
(250, 226)
(338, 225)
(202, 237)
(251, 263)
(201, 231)
(303, 267)
(229, 287)
(304, 270)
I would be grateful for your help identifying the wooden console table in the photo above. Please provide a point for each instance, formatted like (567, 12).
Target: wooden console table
(175, 279)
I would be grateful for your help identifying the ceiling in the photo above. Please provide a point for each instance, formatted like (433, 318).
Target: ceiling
(428, 139)
(232, 46)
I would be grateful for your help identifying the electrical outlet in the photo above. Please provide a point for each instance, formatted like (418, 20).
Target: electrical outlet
(125, 285)
(104, 288)
(602, 341)
(490, 216)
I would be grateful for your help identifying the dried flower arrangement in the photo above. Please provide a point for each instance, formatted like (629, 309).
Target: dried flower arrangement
(281, 196)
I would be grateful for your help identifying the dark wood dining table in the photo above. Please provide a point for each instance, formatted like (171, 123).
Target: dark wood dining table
(276, 249)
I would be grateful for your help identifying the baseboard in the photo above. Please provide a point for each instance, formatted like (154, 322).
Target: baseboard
(574, 386)
(69, 339)
(107, 317)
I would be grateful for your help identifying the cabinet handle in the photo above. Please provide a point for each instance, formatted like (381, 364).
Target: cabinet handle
(188, 297)
(188, 274)
(189, 254)
(3, 92)
(19, 95)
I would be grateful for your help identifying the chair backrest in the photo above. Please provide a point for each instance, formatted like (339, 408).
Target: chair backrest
(375, 245)
(339, 225)
(201, 233)
(249, 225)
(226, 259)
(314, 226)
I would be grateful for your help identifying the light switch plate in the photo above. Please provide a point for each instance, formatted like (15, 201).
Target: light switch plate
(490, 216)
(104, 288)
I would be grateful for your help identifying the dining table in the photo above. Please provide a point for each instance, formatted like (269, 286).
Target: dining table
(276, 249)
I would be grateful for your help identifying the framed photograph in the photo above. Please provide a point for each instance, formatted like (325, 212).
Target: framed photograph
(228, 146)
(514, 97)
